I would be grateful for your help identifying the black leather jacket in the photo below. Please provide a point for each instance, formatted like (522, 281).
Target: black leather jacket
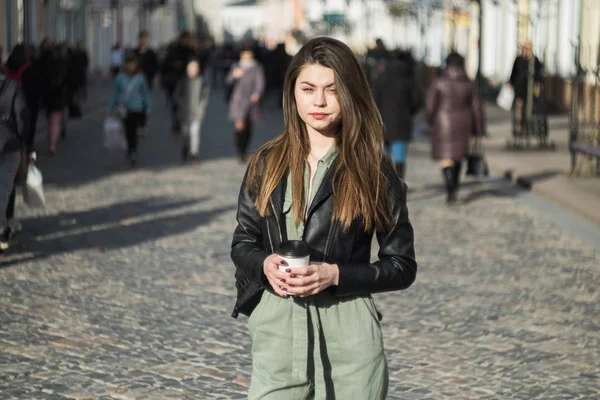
(255, 238)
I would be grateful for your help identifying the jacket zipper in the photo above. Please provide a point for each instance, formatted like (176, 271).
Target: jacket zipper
(333, 223)
(278, 224)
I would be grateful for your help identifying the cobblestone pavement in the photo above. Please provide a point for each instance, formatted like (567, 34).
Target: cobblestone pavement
(122, 287)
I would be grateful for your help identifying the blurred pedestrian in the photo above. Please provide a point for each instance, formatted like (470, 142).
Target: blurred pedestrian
(22, 67)
(248, 80)
(80, 64)
(326, 182)
(148, 58)
(130, 100)
(173, 69)
(191, 95)
(14, 118)
(376, 60)
(454, 114)
(53, 97)
(398, 98)
(519, 80)
(116, 59)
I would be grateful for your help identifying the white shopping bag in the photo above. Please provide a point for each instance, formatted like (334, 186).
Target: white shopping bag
(33, 190)
(114, 137)
(506, 97)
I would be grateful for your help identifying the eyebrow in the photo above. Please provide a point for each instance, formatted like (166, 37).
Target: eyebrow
(310, 84)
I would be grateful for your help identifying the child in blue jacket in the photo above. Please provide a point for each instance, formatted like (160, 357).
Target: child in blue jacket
(130, 100)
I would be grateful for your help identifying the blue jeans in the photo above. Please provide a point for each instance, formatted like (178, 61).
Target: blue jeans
(397, 150)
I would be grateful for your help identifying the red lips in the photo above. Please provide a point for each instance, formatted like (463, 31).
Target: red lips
(318, 116)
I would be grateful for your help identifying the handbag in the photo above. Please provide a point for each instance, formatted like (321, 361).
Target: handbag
(476, 164)
(33, 190)
(506, 97)
(114, 139)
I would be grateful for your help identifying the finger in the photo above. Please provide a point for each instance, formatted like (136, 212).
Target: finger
(307, 291)
(278, 289)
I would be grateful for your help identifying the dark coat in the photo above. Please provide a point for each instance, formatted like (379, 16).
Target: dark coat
(398, 99)
(54, 82)
(520, 73)
(256, 237)
(79, 68)
(148, 63)
(454, 114)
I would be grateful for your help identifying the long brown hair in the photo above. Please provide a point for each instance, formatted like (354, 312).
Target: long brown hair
(359, 186)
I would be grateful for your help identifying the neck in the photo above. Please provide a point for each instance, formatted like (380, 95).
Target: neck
(320, 143)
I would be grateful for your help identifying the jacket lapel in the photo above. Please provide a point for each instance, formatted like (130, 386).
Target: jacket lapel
(325, 190)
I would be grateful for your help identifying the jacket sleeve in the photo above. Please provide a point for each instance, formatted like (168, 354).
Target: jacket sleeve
(246, 250)
(431, 101)
(514, 74)
(229, 79)
(259, 83)
(396, 268)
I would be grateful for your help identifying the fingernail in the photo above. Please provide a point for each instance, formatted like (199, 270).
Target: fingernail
(292, 275)
(288, 270)
(284, 289)
(282, 280)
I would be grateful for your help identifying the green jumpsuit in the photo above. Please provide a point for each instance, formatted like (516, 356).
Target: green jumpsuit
(319, 347)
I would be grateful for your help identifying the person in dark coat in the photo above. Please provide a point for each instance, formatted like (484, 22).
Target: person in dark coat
(54, 67)
(398, 98)
(519, 80)
(147, 57)
(454, 114)
(79, 70)
(173, 69)
(22, 68)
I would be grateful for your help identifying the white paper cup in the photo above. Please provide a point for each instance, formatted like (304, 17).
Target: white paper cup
(293, 262)
(295, 253)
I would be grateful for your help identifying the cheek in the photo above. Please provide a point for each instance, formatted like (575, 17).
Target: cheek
(301, 103)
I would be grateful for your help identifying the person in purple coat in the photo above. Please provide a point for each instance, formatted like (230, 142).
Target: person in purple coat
(248, 79)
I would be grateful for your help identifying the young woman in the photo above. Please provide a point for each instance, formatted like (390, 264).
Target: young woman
(248, 83)
(325, 180)
(131, 99)
(454, 114)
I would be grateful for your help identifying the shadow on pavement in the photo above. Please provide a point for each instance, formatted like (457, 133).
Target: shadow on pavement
(116, 226)
(470, 191)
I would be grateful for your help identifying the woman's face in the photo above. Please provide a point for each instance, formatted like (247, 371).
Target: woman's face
(192, 69)
(317, 100)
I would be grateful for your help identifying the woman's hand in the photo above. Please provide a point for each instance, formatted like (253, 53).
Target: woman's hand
(312, 279)
(254, 98)
(277, 279)
(238, 73)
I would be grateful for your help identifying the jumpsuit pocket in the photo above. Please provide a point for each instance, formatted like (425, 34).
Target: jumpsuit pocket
(254, 316)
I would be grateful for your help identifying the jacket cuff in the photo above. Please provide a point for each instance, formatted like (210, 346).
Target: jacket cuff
(351, 280)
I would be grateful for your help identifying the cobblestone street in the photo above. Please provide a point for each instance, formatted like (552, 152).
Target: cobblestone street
(122, 287)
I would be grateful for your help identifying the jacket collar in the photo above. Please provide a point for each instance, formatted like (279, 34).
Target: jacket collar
(323, 193)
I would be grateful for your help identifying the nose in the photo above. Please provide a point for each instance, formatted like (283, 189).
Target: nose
(320, 100)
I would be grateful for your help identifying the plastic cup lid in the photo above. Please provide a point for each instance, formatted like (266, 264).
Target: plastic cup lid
(294, 248)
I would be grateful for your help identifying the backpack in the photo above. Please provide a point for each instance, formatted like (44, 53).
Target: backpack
(10, 139)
